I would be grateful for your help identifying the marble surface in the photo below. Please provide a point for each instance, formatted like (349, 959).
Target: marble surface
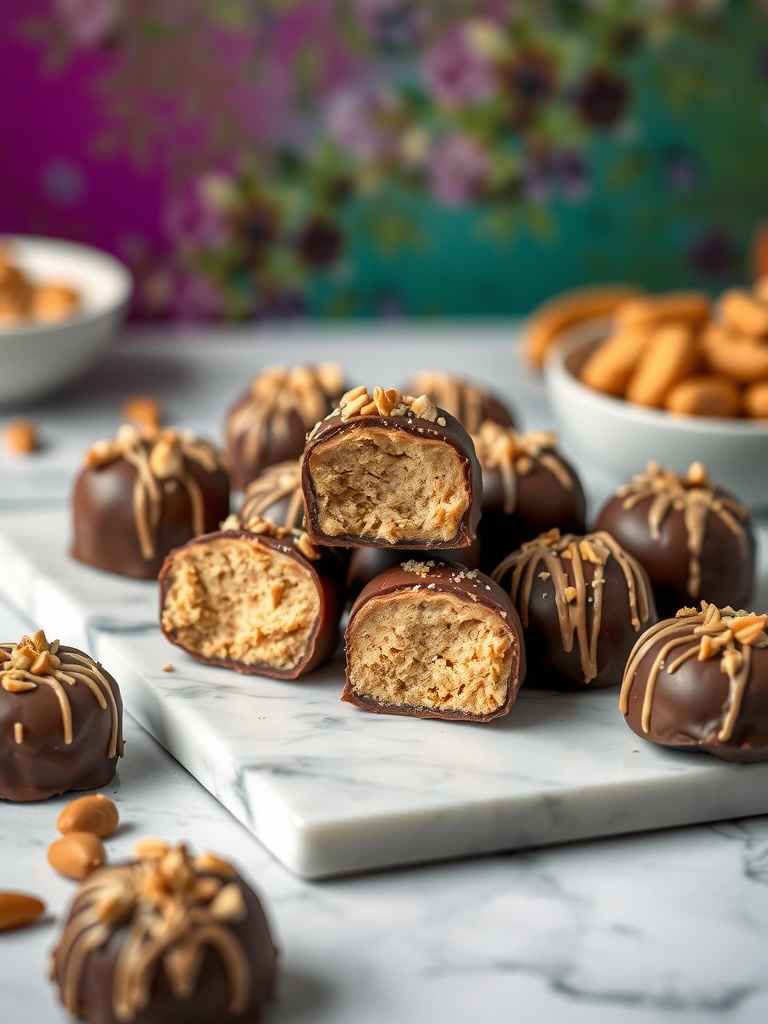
(662, 926)
(330, 789)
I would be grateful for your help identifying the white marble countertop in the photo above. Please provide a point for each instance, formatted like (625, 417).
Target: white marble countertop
(654, 927)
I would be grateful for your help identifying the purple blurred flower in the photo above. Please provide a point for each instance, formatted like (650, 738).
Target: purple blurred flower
(602, 98)
(682, 170)
(320, 242)
(528, 80)
(196, 298)
(281, 304)
(458, 170)
(89, 23)
(365, 121)
(392, 24)
(191, 222)
(712, 252)
(559, 171)
(456, 73)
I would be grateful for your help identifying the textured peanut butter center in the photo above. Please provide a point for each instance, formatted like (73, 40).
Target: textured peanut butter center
(386, 485)
(435, 651)
(231, 598)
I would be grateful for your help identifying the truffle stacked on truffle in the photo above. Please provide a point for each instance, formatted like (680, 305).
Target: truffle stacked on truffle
(694, 539)
(471, 404)
(388, 469)
(166, 939)
(528, 487)
(583, 601)
(276, 494)
(269, 423)
(434, 640)
(700, 680)
(254, 597)
(143, 494)
(61, 720)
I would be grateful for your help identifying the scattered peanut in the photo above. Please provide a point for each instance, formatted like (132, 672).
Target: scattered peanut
(21, 437)
(18, 910)
(96, 814)
(77, 854)
(143, 411)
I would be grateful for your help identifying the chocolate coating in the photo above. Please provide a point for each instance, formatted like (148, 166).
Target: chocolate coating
(40, 755)
(269, 423)
(232, 981)
(528, 488)
(714, 699)
(471, 404)
(405, 428)
(422, 584)
(694, 539)
(583, 602)
(325, 568)
(126, 519)
(365, 564)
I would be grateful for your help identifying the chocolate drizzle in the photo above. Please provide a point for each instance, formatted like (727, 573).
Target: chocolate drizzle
(503, 448)
(574, 595)
(710, 633)
(160, 460)
(275, 394)
(172, 910)
(693, 496)
(33, 662)
(276, 486)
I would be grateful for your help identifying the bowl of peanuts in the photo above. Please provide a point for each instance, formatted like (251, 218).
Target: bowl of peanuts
(673, 378)
(60, 305)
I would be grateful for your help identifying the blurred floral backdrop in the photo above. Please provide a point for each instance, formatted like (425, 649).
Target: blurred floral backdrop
(276, 158)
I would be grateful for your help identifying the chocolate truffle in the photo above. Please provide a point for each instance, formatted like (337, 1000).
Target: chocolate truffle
(165, 939)
(694, 539)
(583, 602)
(276, 495)
(365, 564)
(471, 404)
(528, 487)
(434, 640)
(391, 470)
(61, 720)
(255, 597)
(143, 494)
(700, 681)
(269, 423)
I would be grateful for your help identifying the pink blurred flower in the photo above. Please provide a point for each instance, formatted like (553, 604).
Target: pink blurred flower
(89, 22)
(392, 24)
(191, 221)
(458, 73)
(458, 170)
(364, 122)
(196, 298)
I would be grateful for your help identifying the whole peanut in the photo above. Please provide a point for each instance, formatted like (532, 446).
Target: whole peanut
(77, 854)
(96, 814)
(18, 910)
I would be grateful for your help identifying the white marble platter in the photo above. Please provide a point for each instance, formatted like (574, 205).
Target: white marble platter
(330, 789)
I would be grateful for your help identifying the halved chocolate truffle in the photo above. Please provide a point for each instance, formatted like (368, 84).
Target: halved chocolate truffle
(254, 597)
(61, 720)
(700, 681)
(471, 404)
(143, 494)
(385, 469)
(434, 640)
(165, 939)
(583, 602)
(269, 423)
(528, 487)
(276, 495)
(694, 539)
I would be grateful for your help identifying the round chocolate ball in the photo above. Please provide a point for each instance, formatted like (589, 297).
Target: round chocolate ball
(694, 539)
(276, 494)
(471, 404)
(269, 423)
(528, 488)
(365, 564)
(165, 939)
(583, 602)
(142, 495)
(61, 720)
(700, 681)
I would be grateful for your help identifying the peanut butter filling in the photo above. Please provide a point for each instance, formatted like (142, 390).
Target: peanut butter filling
(433, 652)
(383, 485)
(234, 599)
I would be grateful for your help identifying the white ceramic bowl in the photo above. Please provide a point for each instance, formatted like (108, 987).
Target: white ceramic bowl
(621, 438)
(37, 359)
